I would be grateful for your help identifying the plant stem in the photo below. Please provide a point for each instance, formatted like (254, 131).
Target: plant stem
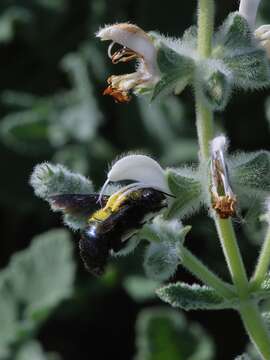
(255, 327)
(197, 268)
(205, 134)
(232, 254)
(204, 115)
(205, 129)
(205, 27)
(263, 263)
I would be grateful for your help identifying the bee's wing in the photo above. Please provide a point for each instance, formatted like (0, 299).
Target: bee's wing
(78, 204)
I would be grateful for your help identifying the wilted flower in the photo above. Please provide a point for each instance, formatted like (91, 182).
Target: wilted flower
(223, 198)
(144, 171)
(263, 35)
(135, 45)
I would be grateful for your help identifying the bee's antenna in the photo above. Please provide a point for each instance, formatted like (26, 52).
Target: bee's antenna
(167, 194)
(102, 191)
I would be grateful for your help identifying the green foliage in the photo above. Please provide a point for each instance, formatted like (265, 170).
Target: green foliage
(214, 83)
(8, 315)
(11, 19)
(48, 179)
(263, 293)
(236, 61)
(160, 261)
(193, 297)
(43, 275)
(243, 357)
(185, 185)
(161, 257)
(245, 61)
(250, 174)
(32, 350)
(140, 288)
(34, 283)
(176, 69)
(43, 123)
(164, 334)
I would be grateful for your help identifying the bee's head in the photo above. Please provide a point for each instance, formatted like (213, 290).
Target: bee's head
(153, 198)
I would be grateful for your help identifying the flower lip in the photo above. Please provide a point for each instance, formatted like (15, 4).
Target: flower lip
(131, 37)
(143, 170)
(136, 45)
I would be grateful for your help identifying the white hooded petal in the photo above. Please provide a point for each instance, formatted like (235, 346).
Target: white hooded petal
(248, 9)
(132, 37)
(139, 168)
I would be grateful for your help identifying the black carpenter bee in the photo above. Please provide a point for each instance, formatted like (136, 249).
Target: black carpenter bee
(121, 215)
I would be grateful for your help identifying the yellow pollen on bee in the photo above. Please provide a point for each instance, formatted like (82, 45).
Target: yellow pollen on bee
(113, 205)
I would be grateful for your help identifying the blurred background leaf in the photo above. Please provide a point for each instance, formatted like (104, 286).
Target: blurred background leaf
(164, 334)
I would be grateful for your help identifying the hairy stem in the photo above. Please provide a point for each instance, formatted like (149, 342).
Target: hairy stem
(197, 268)
(205, 129)
(205, 27)
(232, 254)
(255, 327)
(204, 116)
(263, 263)
(205, 134)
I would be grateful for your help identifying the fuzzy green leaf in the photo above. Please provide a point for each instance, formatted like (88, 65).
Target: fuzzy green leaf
(160, 261)
(26, 131)
(9, 21)
(32, 350)
(243, 357)
(170, 60)
(263, 293)
(164, 334)
(48, 179)
(140, 288)
(8, 316)
(214, 82)
(250, 70)
(193, 297)
(234, 33)
(42, 275)
(161, 256)
(185, 185)
(175, 68)
(250, 174)
(245, 59)
(190, 37)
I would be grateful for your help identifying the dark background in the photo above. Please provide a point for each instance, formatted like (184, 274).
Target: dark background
(99, 321)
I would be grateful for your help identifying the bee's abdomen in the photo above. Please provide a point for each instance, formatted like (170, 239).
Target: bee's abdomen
(94, 250)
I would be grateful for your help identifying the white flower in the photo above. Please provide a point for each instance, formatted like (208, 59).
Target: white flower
(142, 170)
(136, 45)
(263, 35)
(248, 9)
